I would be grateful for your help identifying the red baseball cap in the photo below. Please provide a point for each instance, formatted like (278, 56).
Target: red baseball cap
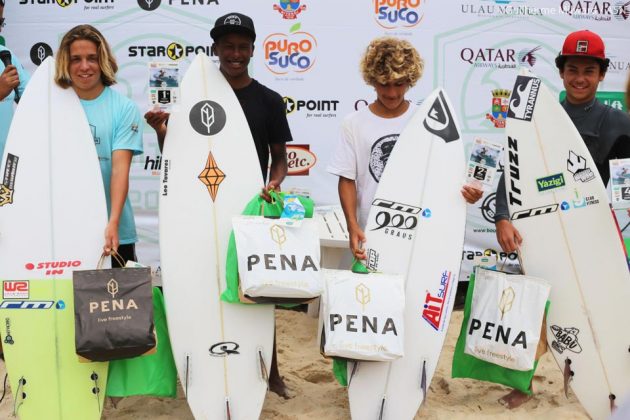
(583, 44)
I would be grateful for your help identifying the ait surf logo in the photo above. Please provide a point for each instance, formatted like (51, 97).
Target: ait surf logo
(433, 308)
(292, 52)
(289, 9)
(391, 14)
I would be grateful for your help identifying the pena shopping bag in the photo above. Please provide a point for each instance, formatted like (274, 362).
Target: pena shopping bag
(505, 318)
(467, 366)
(275, 260)
(113, 311)
(363, 315)
(256, 207)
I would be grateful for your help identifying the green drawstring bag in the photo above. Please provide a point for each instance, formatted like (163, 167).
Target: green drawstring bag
(256, 207)
(340, 366)
(154, 374)
(467, 366)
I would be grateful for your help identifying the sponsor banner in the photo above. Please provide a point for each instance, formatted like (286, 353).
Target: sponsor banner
(300, 159)
(16, 289)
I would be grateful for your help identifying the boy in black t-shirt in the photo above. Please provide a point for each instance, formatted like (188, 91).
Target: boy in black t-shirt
(264, 109)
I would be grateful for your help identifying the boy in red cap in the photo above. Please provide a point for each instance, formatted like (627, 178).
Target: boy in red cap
(605, 130)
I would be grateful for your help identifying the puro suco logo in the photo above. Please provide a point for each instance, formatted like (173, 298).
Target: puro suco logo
(292, 52)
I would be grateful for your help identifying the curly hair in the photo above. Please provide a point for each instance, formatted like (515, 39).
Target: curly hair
(387, 59)
(106, 60)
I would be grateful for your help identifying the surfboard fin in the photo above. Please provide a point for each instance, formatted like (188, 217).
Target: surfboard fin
(96, 390)
(612, 398)
(20, 395)
(423, 381)
(187, 378)
(263, 367)
(568, 375)
(382, 410)
(355, 367)
(228, 414)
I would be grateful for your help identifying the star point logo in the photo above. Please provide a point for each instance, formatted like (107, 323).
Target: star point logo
(175, 51)
(212, 176)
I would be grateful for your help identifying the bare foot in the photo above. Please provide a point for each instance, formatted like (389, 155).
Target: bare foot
(514, 399)
(277, 385)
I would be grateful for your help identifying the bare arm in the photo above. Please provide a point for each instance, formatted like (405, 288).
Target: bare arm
(157, 120)
(119, 186)
(348, 197)
(278, 170)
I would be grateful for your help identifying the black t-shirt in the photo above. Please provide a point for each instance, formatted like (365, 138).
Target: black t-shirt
(266, 116)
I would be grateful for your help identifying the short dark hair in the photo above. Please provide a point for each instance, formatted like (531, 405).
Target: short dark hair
(562, 59)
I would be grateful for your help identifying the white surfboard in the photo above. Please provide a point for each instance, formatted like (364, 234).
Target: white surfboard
(52, 219)
(210, 171)
(558, 203)
(416, 228)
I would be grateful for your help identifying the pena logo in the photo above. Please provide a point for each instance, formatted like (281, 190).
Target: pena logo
(39, 52)
(293, 52)
(278, 235)
(149, 5)
(300, 159)
(391, 14)
(207, 118)
(112, 287)
(289, 9)
(363, 295)
(434, 304)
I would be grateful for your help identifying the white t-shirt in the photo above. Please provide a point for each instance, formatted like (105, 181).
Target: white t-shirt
(365, 143)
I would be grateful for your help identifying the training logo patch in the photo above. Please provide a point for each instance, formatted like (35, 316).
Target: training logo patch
(523, 98)
(207, 118)
(440, 121)
(15, 289)
(224, 349)
(212, 176)
(39, 52)
(550, 182)
(565, 339)
(576, 164)
(381, 149)
(7, 187)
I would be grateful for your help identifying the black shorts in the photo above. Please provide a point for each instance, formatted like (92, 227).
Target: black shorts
(127, 252)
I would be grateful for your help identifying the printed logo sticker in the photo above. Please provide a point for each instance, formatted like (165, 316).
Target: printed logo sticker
(523, 100)
(397, 219)
(550, 182)
(433, 309)
(39, 52)
(440, 122)
(15, 289)
(149, 5)
(538, 211)
(576, 164)
(8, 339)
(7, 187)
(207, 118)
(565, 339)
(224, 349)
(26, 304)
(212, 176)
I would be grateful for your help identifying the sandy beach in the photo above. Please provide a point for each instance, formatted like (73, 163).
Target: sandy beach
(318, 396)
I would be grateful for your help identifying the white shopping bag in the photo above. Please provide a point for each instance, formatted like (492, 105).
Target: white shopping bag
(505, 319)
(363, 315)
(277, 261)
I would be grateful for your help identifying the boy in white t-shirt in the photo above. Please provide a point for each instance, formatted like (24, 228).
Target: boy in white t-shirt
(392, 66)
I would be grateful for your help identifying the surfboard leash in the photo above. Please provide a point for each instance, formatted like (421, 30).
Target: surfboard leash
(4, 387)
(96, 390)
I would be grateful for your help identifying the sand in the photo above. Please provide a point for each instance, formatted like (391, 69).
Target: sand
(318, 396)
